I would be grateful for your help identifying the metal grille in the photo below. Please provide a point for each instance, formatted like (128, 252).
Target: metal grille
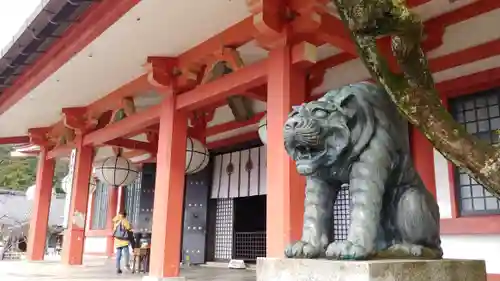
(480, 116)
(249, 245)
(224, 229)
(132, 195)
(100, 208)
(342, 214)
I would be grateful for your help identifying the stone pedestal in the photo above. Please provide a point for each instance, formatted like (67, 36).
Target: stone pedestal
(269, 269)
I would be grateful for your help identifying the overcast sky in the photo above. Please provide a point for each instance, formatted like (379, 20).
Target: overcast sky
(13, 15)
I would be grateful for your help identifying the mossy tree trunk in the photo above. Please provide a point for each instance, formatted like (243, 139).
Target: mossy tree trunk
(414, 91)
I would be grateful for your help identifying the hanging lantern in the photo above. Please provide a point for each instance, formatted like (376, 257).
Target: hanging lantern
(263, 129)
(197, 156)
(30, 193)
(116, 171)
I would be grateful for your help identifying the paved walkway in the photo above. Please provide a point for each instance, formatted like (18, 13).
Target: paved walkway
(102, 269)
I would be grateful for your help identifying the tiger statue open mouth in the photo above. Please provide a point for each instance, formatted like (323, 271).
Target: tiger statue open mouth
(355, 135)
(315, 135)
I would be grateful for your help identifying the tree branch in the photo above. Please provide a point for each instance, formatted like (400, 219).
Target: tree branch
(414, 90)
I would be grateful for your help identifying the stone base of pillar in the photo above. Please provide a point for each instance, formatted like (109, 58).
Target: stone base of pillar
(269, 269)
(151, 278)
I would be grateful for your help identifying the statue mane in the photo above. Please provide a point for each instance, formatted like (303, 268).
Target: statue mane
(355, 135)
(369, 105)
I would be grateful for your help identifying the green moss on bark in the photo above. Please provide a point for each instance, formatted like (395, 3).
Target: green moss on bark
(413, 90)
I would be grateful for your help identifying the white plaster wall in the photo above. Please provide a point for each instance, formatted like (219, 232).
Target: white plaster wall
(95, 245)
(89, 212)
(68, 182)
(442, 185)
(480, 247)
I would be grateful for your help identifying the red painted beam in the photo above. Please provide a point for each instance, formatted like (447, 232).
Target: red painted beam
(233, 140)
(234, 36)
(232, 125)
(333, 31)
(303, 55)
(113, 100)
(210, 45)
(486, 79)
(471, 225)
(466, 56)
(123, 127)
(132, 144)
(468, 84)
(155, 128)
(63, 150)
(239, 81)
(316, 23)
(259, 93)
(474, 9)
(438, 64)
(15, 140)
(268, 19)
(92, 24)
(135, 123)
(474, 88)
(433, 27)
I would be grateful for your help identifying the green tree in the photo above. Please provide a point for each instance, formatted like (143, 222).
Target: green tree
(19, 173)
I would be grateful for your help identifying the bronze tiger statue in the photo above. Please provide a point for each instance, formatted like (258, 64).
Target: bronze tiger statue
(355, 135)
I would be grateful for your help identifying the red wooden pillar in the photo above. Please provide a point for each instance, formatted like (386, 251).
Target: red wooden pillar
(169, 192)
(285, 192)
(121, 199)
(112, 211)
(423, 158)
(41, 207)
(74, 237)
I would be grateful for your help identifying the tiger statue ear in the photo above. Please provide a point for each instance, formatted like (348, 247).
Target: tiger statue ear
(341, 100)
(297, 109)
(350, 101)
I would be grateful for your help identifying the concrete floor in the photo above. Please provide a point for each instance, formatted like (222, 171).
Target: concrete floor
(103, 269)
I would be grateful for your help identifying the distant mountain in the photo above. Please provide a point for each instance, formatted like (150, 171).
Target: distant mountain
(19, 173)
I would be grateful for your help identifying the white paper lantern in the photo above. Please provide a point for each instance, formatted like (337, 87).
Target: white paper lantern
(116, 171)
(263, 129)
(30, 193)
(197, 156)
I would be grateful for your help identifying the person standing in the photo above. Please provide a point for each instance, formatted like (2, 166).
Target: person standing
(121, 233)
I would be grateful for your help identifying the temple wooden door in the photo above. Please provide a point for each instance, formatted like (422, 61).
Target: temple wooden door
(195, 216)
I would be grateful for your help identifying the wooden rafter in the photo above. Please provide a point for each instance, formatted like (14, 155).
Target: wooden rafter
(184, 71)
